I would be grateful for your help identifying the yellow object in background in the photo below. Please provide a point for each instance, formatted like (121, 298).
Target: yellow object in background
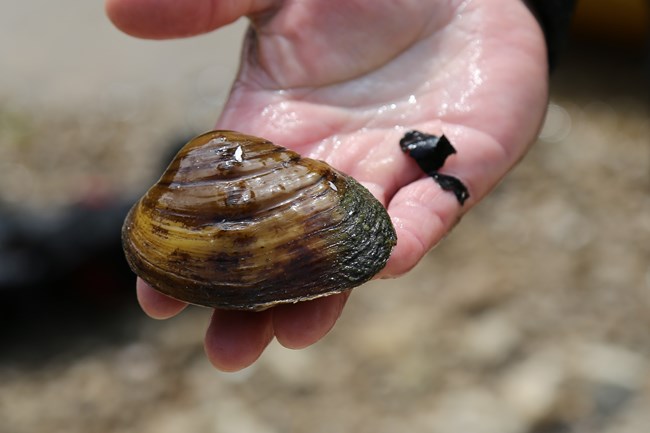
(623, 23)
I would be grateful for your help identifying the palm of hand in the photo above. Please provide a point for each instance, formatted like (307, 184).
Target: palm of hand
(343, 85)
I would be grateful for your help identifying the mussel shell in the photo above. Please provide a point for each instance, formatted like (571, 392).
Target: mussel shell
(237, 222)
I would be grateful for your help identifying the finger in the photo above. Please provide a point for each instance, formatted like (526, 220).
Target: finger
(299, 325)
(155, 304)
(160, 19)
(235, 339)
(423, 213)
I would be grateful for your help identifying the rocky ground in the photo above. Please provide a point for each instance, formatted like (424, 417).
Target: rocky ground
(533, 316)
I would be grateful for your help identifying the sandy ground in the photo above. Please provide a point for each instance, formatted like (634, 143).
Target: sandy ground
(531, 317)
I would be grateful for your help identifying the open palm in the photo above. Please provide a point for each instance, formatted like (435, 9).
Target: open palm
(342, 81)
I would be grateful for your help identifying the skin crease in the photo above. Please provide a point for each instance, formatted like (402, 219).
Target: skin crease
(342, 81)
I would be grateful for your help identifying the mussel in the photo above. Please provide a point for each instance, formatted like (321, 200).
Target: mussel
(237, 222)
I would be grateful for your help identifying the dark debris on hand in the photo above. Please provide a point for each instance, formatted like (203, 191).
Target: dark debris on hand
(430, 152)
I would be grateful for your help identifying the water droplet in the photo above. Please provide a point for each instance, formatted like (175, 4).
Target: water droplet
(238, 154)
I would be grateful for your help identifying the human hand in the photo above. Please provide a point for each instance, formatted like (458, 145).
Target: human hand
(342, 81)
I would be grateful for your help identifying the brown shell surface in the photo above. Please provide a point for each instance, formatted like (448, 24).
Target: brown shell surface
(237, 222)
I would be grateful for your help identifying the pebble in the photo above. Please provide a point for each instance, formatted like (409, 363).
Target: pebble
(490, 339)
(532, 387)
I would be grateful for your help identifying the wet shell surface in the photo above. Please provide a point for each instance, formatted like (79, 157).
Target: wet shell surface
(237, 222)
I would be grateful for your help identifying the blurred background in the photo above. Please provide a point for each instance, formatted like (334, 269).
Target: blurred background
(533, 316)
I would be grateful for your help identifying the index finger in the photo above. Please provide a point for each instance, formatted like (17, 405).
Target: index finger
(155, 304)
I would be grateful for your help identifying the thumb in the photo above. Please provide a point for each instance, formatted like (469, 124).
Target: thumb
(164, 19)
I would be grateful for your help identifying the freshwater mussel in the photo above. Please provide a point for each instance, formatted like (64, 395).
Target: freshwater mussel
(237, 222)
